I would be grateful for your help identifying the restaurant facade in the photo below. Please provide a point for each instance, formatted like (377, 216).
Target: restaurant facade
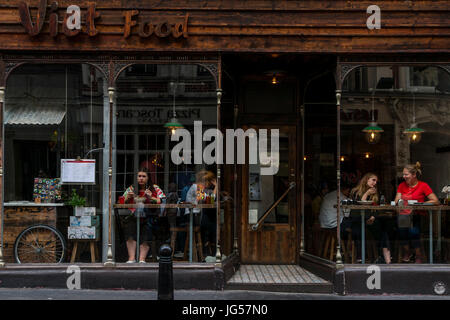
(316, 93)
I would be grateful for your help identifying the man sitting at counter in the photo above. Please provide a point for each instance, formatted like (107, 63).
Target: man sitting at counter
(328, 212)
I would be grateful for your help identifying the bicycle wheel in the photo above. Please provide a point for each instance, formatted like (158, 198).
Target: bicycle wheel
(40, 244)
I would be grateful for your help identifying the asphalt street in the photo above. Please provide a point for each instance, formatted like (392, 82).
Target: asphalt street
(65, 294)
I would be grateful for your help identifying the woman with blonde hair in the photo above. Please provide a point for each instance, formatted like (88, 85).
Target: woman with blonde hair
(412, 189)
(204, 190)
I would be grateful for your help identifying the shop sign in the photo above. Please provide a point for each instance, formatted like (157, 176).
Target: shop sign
(159, 115)
(163, 27)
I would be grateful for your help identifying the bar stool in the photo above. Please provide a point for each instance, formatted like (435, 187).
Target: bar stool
(328, 247)
(197, 251)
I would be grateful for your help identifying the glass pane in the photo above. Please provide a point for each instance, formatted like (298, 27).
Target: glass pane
(148, 97)
(52, 112)
(410, 105)
(265, 190)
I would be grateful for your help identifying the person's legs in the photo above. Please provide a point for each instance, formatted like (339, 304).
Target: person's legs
(346, 229)
(403, 236)
(143, 251)
(356, 235)
(212, 227)
(131, 247)
(130, 234)
(145, 237)
(375, 231)
(390, 227)
(415, 238)
(384, 241)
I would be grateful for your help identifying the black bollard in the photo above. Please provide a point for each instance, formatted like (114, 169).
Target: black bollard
(165, 274)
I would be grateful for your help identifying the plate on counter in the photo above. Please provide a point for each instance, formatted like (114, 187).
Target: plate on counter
(367, 203)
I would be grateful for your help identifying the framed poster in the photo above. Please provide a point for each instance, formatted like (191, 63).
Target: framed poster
(77, 171)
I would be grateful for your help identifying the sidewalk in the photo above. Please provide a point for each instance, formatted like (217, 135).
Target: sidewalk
(242, 295)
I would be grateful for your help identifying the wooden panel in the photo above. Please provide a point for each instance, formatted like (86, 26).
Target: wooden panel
(17, 219)
(258, 26)
(248, 5)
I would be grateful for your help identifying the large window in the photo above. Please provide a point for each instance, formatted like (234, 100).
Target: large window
(392, 117)
(149, 99)
(52, 112)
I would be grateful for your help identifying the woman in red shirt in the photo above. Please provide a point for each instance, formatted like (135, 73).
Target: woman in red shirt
(412, 189)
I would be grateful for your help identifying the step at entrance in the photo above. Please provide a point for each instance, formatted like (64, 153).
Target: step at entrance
(279, 278)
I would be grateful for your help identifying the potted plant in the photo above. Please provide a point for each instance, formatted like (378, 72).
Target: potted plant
(76, 201)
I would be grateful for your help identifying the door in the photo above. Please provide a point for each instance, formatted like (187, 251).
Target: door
(269, 208)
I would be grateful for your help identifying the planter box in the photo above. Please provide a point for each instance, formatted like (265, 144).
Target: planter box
(84, 221)
(88, 233)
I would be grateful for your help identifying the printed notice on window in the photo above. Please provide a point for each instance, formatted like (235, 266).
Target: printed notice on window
(75, 171)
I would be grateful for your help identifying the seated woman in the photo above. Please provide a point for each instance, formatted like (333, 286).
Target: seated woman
(366, 191)
(151, 194)
(412, 189)
(204, 191)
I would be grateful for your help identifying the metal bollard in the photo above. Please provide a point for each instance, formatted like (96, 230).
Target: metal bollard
(165, 273)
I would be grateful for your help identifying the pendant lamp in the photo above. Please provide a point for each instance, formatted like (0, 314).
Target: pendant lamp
(373, 131)
(173, 124)
(414, 133)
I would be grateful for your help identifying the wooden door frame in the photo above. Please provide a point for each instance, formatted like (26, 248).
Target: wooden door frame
(294, 221)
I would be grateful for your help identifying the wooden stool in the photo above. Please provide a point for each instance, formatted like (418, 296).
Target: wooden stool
(76, 252)
(197, 251)
(328, 246)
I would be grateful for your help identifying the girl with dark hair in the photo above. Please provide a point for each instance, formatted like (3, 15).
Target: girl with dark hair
(147, 193)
